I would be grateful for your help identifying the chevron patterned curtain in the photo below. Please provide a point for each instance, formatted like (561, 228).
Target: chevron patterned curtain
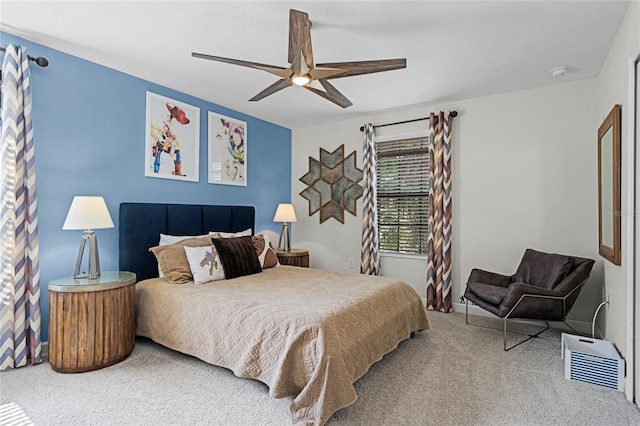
(439, 237)
(369, 249)
(20, 275)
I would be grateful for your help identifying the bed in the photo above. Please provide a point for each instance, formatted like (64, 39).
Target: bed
(306, 333)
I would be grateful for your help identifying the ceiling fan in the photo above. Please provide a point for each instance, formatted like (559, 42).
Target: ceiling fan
(303, 72)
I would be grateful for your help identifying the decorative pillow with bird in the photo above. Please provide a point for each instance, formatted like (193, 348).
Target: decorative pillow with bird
(205, 264)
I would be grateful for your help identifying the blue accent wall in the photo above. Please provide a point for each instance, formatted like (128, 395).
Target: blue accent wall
(89, 135)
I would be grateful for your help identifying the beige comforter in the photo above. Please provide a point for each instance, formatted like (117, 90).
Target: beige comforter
(306, 333)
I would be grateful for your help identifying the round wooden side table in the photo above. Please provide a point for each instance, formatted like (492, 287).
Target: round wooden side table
(91, 322)
(294, 257)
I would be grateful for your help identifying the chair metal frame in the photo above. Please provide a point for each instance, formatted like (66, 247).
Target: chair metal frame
(545, 328)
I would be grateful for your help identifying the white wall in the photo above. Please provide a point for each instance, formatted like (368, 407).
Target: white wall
(524, 175)
(612, 88)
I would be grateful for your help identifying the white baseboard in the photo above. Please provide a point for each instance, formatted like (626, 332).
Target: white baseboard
(582, 327)
(45, 351)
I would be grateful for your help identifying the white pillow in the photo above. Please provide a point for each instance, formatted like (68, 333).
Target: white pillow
(245, 233)
(165, 240)
(205, 264)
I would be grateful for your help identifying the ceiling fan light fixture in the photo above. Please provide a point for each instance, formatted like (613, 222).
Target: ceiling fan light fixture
(301, 70)
(300, 80)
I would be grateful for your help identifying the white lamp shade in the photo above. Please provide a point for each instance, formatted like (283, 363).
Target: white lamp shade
(88, 213)
(285, 213)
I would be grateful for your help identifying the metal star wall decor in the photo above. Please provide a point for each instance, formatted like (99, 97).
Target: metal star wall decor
(332, 184)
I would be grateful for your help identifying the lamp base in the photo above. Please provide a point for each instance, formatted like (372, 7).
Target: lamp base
(94, 258)
(284, 243)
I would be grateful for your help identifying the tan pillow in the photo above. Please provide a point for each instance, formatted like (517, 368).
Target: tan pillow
(173, 261)
(166, 239)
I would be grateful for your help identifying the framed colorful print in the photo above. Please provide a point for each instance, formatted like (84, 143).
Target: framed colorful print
(172, 139)
(227, 150)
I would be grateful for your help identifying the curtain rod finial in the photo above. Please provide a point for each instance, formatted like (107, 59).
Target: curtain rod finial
(43, 62)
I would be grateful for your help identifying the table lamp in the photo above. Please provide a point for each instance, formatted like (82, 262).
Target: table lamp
(284, 214)
(88, 213)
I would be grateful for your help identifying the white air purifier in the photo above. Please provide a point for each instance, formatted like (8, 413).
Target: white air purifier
(593, 361)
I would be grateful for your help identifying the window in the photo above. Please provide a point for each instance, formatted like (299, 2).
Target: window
(403, 194)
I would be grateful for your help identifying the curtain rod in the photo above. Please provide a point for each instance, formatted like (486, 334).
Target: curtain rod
(43, 62)
(453, 114)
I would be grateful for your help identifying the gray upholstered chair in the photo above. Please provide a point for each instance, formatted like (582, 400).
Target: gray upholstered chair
(545, 287)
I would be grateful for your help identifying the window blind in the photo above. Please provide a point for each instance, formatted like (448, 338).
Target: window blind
(403, 194)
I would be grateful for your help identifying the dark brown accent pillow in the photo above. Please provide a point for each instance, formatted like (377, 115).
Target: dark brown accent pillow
(238, 256)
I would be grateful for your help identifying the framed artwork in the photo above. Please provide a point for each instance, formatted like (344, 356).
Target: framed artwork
(172, 139)
(227, 150)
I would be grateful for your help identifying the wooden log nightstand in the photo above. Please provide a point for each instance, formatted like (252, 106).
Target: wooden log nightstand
(294, 257)
(91, 322)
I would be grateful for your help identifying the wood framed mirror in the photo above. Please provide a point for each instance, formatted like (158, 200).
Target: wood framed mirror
(609, 210)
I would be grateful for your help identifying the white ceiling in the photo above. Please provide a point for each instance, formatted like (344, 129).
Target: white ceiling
(454, 49)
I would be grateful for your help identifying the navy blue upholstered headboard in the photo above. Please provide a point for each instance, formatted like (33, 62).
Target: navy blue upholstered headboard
(142, 223)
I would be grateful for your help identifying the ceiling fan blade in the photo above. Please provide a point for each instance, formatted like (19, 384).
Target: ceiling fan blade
(300, 36)
(275, 87)
(233, 61)
(331, 94)
(279, 71)
(318, 73)
(365, 67)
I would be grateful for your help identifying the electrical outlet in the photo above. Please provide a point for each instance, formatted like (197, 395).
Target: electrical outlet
(608, 302)
(350, 263)
(602, 294)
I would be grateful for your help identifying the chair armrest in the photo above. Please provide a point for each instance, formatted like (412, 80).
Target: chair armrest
(529, 301)
(486, 277)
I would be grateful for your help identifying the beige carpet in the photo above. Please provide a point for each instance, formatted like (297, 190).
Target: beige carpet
(452, 374)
